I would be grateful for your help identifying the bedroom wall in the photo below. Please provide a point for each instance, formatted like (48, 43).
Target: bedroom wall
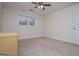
(0, 17)
(10, 17)
(59, 25)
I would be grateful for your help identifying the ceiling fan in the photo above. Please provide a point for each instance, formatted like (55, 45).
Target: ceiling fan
(41, 5)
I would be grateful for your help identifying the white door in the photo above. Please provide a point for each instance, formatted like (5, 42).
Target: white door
(76, 26)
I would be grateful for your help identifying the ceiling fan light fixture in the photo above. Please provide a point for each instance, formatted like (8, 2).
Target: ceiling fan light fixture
(40, 6)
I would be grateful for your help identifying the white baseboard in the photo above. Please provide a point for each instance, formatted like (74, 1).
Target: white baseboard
(29, 37)
(71, 42)
(34, 37)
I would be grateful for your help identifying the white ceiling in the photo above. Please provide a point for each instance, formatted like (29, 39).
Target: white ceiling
(26, 6)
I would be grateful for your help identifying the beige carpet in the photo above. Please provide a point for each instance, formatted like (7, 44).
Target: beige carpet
(47, 47)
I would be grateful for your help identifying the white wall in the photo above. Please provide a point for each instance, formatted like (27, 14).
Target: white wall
(0, 17)
(10, 16)
(59, 25)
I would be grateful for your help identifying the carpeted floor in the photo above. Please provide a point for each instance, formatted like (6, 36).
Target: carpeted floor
(47, 47)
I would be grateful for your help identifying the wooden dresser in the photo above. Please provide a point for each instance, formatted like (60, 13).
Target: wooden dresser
(9, 44)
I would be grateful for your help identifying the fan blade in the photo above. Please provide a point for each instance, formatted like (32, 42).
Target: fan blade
(47, 4)
(31, 10)
(35, 6)
(40, 3)
(34, 3)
